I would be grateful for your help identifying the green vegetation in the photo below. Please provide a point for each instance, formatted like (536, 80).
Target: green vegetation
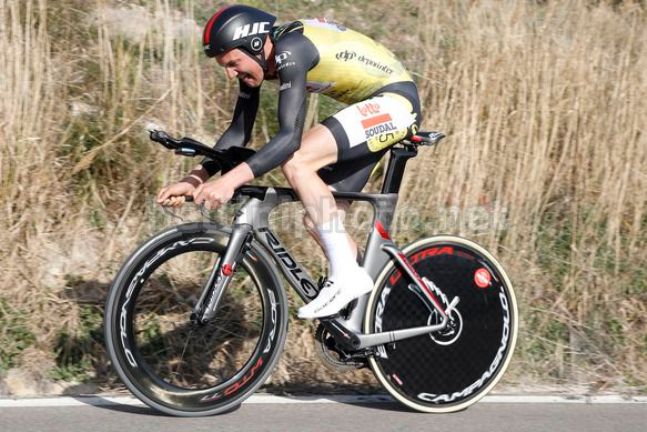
(14, 334)
(80, 350)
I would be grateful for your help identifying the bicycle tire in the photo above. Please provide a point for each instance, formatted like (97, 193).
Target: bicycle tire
(177, 366)
(444, 371)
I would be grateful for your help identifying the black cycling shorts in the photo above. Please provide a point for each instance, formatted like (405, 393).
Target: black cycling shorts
(364, 132)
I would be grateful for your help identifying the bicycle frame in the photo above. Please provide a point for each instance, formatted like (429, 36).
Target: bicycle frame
(230, 346)
(252, 223)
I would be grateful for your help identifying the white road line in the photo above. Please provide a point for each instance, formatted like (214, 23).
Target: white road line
(68, 401)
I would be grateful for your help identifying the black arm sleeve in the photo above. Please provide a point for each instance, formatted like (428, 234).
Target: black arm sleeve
(295, 55)
(239, 131)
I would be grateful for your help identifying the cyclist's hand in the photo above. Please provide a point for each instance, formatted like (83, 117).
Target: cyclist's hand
(173, 195)
(214, 193)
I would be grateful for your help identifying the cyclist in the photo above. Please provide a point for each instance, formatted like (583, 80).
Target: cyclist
(338, 154)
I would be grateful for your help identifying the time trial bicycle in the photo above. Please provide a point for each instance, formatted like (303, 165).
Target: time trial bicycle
(196, 318)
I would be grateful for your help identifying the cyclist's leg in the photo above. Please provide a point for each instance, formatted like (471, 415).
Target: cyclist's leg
(368, 128)
(363, 133)
(347, 280)
(317, 149)
(349, 176)
(345, 176)
(342, 210)
(357, 133)
(358, 154)
(350, 141)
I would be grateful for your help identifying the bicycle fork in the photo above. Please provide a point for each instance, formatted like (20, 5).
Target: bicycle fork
(221, 274)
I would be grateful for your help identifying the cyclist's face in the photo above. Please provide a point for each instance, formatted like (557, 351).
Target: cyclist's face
(238, 64)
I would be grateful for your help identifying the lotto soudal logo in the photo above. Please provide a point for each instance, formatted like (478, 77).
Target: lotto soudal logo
(382, 118)
(368, 108)
(251, 29)
(378, 125)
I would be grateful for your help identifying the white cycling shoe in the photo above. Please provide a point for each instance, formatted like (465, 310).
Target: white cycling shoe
(335, 295)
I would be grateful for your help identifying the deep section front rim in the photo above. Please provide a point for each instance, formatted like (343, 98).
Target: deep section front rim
(180, 367)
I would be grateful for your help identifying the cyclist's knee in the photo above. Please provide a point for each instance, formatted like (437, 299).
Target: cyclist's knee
(316, 152)
(293, 170)
(298, 167)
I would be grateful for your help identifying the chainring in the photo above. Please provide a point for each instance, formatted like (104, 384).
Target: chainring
(332, 357)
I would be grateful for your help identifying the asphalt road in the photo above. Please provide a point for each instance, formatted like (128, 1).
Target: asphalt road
(384, 416)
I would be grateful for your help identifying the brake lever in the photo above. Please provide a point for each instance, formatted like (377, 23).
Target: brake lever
(162, 138)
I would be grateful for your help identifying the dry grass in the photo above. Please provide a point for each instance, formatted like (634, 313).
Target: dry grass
(546, 161)
(546, 110)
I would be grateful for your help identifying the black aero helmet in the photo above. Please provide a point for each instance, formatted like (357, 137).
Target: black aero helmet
(237, 26)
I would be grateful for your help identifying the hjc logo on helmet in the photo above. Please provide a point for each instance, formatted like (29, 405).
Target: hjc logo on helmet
(248, 30)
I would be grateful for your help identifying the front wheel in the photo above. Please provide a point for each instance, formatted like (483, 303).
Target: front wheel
(168, 360)
(448, 370)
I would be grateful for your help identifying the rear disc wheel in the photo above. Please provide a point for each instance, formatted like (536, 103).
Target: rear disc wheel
(448, 370)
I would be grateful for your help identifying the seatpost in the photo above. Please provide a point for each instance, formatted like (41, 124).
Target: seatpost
(397, 163)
